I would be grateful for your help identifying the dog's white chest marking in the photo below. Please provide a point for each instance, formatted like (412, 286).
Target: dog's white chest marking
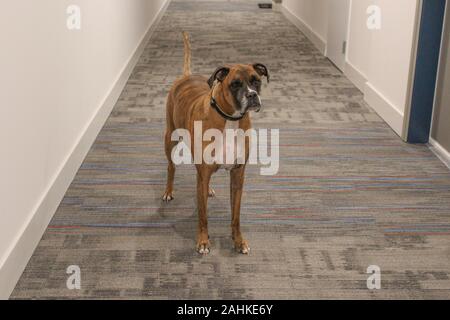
(232, 146)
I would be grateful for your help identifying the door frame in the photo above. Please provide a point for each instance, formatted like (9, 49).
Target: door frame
(440, 74)
(425, 69)
(346, 40)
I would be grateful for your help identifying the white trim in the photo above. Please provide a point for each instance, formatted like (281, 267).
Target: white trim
(17, 257)
(355, 75)
(440, 152)
(306, 29)
(385, 109)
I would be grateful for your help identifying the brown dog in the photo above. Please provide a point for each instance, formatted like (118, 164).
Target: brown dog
(220, 102)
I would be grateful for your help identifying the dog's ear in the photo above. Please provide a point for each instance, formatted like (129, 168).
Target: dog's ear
(262, 70)
(220, 74)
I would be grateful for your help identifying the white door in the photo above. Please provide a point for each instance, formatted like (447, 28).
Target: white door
(338, 19)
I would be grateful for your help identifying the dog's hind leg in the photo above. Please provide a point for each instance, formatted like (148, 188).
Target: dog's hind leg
(169, 145)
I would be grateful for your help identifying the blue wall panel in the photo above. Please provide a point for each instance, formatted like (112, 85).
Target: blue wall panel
(428, 54)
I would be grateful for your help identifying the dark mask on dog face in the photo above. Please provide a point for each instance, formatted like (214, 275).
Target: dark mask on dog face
(242, 85)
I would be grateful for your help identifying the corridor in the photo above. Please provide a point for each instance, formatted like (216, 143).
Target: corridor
(349, 193)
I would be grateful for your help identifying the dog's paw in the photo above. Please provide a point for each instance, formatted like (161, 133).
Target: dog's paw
(204, 250)
(242, 247)
(204, 247)
(167, 197)
(211, 193)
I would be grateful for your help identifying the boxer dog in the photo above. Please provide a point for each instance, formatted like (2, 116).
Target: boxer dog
(221, 102)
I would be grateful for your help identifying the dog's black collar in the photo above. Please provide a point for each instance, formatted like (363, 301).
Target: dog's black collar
(219, 110)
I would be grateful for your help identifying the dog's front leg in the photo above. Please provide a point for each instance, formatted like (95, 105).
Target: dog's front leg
(203, 178)
(236, 189)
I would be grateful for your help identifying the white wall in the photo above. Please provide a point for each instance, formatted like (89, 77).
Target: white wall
(378, 61)
(54, 84)
(313, 15)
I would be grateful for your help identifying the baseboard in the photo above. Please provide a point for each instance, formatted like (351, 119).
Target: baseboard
(385, 109)
(27, 240)
(316, 39)
(355, 76)
(440, 152)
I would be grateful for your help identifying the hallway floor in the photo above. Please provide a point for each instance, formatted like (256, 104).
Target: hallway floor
(349, 193)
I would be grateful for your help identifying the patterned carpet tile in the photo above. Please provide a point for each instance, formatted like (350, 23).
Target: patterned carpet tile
(349, 193)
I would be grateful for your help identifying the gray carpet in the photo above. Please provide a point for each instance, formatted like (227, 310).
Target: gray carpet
(349, 193)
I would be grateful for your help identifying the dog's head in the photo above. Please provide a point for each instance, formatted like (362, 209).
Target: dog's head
(241, 85)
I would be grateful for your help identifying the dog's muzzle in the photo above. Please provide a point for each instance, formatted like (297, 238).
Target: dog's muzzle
(253, 101)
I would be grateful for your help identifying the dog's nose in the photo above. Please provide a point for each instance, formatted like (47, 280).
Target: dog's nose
(251, 95)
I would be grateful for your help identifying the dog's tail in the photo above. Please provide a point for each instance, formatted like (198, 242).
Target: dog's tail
(187, 54)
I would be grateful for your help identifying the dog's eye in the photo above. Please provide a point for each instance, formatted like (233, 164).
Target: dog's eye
(255, 82)
(236, 84)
